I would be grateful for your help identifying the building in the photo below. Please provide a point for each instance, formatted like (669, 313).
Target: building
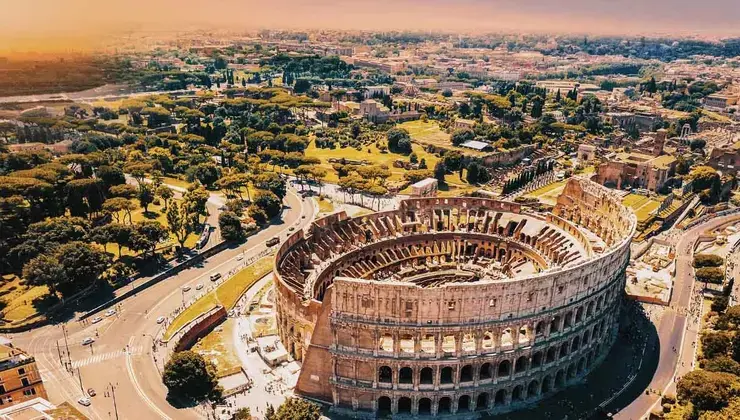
(623, 120)
(425, 188)
(375, 91)
(480, 146)
(725, 159)
(463, 123)
(373, 111)
(586, 152)
(19, 376)
(719, 102)
(453, 305)
(636, 170)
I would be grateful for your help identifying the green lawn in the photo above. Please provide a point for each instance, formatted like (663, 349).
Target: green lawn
(325, 205)
(217, 346)
(429, 133)
(549, 193)
(227, 294)
(20, 299)
(641, 205)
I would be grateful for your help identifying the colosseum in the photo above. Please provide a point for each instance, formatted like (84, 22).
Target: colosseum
(448, 306)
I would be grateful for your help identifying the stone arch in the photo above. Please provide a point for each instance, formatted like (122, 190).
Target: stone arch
(504, 369)
(468, 342)
(386, 343)
(507, 338)
(500, 398)
(485, 371)
(384, 406)
(481, 403)
(488, 341)
(517, 394)
(466, 373)
(564, 350)
(559, 379)
(521, 364)
(428, 344)
(568, 322)
(444, 406)
(425, 407)
(539, 329)
(463, 404)
(546, 384)
(385, 374)
(582, 364)
(404, 405)
(533, 389)
(445, 375)
(536, 359)
(406, 344)
(579, 314)
(590, 309)
(575, 344)
(572, 371)
(426, 376)
(405, 375)
(555, 324)
(552, 354)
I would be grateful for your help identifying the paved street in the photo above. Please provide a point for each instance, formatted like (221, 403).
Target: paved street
(678, 328)
(122, 355)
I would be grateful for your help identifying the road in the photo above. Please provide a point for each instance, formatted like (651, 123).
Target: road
(123, 354)
(678, 329)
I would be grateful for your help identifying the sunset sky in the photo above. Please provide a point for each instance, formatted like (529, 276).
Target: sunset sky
(49, 24)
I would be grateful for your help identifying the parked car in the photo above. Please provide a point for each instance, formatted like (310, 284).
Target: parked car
(84, 401)
(110, 312)
(160, 320)
(199, 286)
(96, 319)
(88, 340)
(215, 276)
(91, 392)
(186, 288)
(272, 241)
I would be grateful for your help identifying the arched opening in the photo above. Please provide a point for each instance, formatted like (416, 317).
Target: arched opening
(537, 359)
(404, 405)
(546, 384)
(539, 329)
(384, 406)
(406, 343)
(517, 394)
(579, 314)
(504, 368)
(463, 404)
(576, 344)
(466, 373)
(488, 341)
(445, 375)
(586, 337)
(405, 375)
(572, 371)
(428, 344)
(425, 407)
(559, 379)
(444, 405)
(568, 320)
(500, 397)
(481, 403)
(555, 324)
(385, 374)
(485, 371)
(468, 342)
(563, 350)
(590, 310)
(448, 344)
(521, 364)
(426, 376)
(506, 338)
(533, 389)
(552, 354)
(581, 364)
(523, 334)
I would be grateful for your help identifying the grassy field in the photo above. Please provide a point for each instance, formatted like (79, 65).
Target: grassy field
(641, 205)
(429, 133)
(217, 346)
(227, 294)
(325, 205)
(20, 299)
(549, 193)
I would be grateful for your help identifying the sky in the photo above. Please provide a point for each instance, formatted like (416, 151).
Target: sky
(52, 24)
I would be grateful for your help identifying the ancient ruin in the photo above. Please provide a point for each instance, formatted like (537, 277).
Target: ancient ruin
(453, 305)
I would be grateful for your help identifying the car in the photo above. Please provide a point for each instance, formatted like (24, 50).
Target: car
(91, 392)
(110, 312)
(272, 241)
(240, 257)
(84, 401)
(160, 320)
(215, 276)
(186, 288)
(96, 319)
(291, 229)
(199, 286)
(88, 340)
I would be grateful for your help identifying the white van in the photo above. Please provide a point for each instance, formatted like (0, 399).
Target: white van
(215, 276)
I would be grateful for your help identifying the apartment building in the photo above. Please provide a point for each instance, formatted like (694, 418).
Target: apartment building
(19, 376)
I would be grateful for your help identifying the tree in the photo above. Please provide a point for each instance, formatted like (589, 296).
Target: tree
(257, 214)
(462, 135)
(399, 140)
(148, 234)
(44, 270)
(298, 409)
(177, 222)
(723, 364)
(146, 196)
(231, 226)
(719, 304)
(196, 200)
(708, 260)
(242, 413)
(706, 390)
(166, 194)
(188, 375)
(440, 170)
(119, 204)
(124, 190)
(205, 173)
(476, 174)
(110, 175)
(715, 344)
(714, 275)
(269, 202)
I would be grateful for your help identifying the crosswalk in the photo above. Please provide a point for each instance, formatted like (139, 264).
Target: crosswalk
(105, 356)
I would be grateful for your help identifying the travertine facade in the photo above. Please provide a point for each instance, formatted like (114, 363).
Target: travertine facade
(453, 305)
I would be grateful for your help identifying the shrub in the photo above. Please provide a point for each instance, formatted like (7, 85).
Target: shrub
(707, 260)
(719, 304)
(713, 275)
